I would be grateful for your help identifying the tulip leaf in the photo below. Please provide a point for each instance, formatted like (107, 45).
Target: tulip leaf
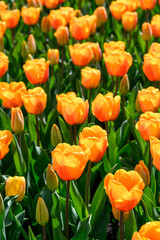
(25, 150)
(5, 120)
(113, 155)
(83, 229)
(2, 226)
(31, 129)
(31, 234)
(122, 134)
(78, 201)
(15, 232)
(131, 221)
(64, 130)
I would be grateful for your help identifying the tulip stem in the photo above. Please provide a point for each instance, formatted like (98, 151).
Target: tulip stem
(146, 47)
(150, 164)
(116, 89)
(75, 133)
(107, 150)
(87, 184)
(89, 101)
(70, 131)
(121, 226)
(79, 4)
(67, 211)
(112, 83)
(37, 130)
(44, 233)
(147, 15)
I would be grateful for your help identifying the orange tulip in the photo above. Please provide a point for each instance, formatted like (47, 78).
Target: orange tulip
(53, 56)
(124, 189)
(146, 31)
(61, 1)
(3, 6)
(118, 8)
(151, 66)
(15, 186)
(149, 125)
(90, 77)
(101, 16)
(159, 2)
(17, 120)
(11, 94)
(56, 19)
(106, 108)
(50, 3)
(45, 25)
(62, 35)
(155, 24)
(118, 63)
(74, 110)
(154, 48)
(61, 98)
(129, 20)
(97, 53)
(36, 70)
(132, 5)
(3, 28)
(30, 15)
(95, 139)
(154, 148)
(11, 17)
(5, 137)
(149, 99)
(149, 231)
(148, 4)
(68, 13)
(35, 100)
(113, 46)
(3, 64)
(143, 172)
(69, 161)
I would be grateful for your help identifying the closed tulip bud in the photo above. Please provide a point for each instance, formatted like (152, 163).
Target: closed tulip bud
(14, 6)
(116, 214)
(56, 136)
(42, 215)
(146, 31)
(62, 35)
(1, 205)
(45, 25)
(51, 178)
(99, 2)
(124, 85)
(17, 120)
(24, 50)
(53, 56)
(31, 44)
(137, 106)
(143, 172)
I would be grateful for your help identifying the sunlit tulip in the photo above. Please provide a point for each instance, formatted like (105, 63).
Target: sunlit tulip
(113, 46)
(151, 66)
(50, 3)
(5, 137)
(143, 171)
(3, 28)
(97, 53)
(149, 231)
(101, 16)
(69, 161)
(17, 120)
(154, 148)
(124, 189)
(56, 19)
(154, 48)
(15, 186)
(106, 108)
(51, 178)
(35, 100)
(94, 138)
(146, 31)
(148, 4)
(129, 20)
(3, 64)
(3, 6)
(45, 25)
(42, 215)
(118, 8)
(90, 77)
(62, 35)
(61, 98)
(36, 70)
(53, 56)
(149, 125)
(132, 5)
(149, 99)
(30, 15)
(11, 17)
(155, 24)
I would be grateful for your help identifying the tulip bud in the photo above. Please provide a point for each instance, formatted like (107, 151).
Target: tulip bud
(24, 49)
(56, 136)
(42, 215)
(137, 106)
(1, 45)
(116, 214)
(31, 44)
(124, 85)
(1, 205)
(17, 120)
(51, 178)
(143, 172)
(45, 25)
(31, 3)
(62, 35)
(53, 56)
(30, 57)
(146, 31)
(99, 2)
(14, 6)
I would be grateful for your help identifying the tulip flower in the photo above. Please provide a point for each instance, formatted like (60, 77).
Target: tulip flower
(17, 120)
(90, 77)
(50, 3)
(112, 46)
(56, 19)
(129, 20)
(148, 231)
(3, 6)
(118, 8)
(124, 85)
(116, 213)
(151, 66)
(5, 140)
(42, 215)
(30, 15)
(11, 17)
(62, 35)
(146, 31)
(61, 98)
(53, 56)
(31, 44)
(36, 70)
(142, 169)
(51, 178)
(15, 186)
(3, 64)
(24, 50)
(155, 24)
(154, 148)
(148, 4)
(101, 16)
(45, 25)
(3, 28)
(56, 136)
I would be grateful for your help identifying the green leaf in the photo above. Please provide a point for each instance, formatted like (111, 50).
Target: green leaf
(31, 234)
(113, 155)
(31, 129)
(5, 120)
(64, 130)
(83, 229)
(131, 221)
(19, 221)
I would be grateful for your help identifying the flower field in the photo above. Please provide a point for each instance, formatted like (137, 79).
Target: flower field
(80, 120)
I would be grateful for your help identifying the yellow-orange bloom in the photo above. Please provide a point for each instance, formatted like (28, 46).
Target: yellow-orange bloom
(61, 98)
(146, 31)
(124, 189)
(50, 3)
(155, 24)
(154, 48)
(11, 17)
(3, 28)
(129, 20)
(95, 139)
(143, 171)
(106, 108)
(148, 4)
(17, 120)
(11, 94)
(118, 8)
(149, 125)
(3, 64)
(113, 46)
(151, 66)
(35, 100)
(36, 70)
(69, 161)
(90, 77)
(53, 56)
(132, 5)
(15, 186)
(56, 19)
(3, 6)
(154, 148)
(149, 99)
(30, 15)
(5, 137)
(118, 62)
(62, 35)
(101, 16)
(149, 231)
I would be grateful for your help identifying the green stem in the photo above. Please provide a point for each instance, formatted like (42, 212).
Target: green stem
(112, 83)
(123, 105)
(121, 226)
(116, 89)
(75, 133)
(44, 233)
(89, 101)
(37, 130)
(70, 131)
(87, 184)
(147, 15)
(107, 150)
(62, 63)
(150, 163)
(67, 212)
(146, 47)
